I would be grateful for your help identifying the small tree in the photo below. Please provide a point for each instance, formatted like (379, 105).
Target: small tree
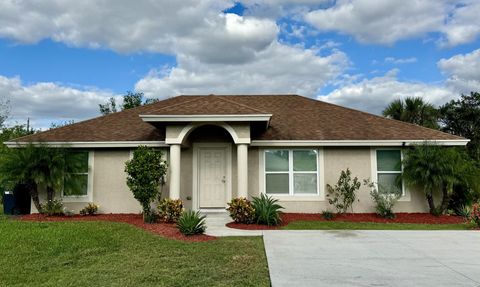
(438, 169)
(144, 176)
(343, 194)
(39, 165)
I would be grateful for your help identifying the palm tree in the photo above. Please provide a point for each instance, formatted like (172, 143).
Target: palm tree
(39, 165)
(436, 169)
(413, 110)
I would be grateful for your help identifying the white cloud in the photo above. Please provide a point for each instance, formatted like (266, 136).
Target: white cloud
(279, 8)
(373, 95)
(277, 69)
(197, 28)
(462, 71)
(229, 39)
(386, 22)
(462, 26)
(46, 102)
(393, 60)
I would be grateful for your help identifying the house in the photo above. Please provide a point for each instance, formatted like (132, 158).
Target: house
(222, 147)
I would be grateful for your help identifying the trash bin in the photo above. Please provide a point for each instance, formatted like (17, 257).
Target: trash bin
(22, 199)
(8, 202)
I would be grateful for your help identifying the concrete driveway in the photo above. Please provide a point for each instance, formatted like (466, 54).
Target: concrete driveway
(373, 258)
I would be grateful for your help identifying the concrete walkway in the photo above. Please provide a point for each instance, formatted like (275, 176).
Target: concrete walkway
(216, 226)
(373, 258)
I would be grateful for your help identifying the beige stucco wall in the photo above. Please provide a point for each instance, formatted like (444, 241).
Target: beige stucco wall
(253, 175)
(359, 161)
(186, 176)
(238, 131)
(110, 190)
(112, 194)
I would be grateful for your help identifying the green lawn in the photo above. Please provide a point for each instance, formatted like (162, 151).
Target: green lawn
(331, 225)
(117, 254)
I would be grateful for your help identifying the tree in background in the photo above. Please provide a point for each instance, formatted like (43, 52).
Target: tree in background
(130, 100)
(109, 107)
(413, 110)
(55, 125)
(462, 117)
(10, 133)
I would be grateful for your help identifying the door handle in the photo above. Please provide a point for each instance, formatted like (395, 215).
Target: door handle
(223, 179)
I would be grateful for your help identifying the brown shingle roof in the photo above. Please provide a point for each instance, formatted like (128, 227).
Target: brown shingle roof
(207, 105)
(294, 118)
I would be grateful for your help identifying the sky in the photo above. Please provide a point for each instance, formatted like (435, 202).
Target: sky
(60, 59)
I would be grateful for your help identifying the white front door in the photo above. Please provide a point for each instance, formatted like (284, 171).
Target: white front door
(212, 177)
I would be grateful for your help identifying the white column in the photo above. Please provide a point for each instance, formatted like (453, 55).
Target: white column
(242, 170)
(175, 150)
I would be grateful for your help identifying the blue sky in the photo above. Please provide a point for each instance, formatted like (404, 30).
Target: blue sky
(49, 61)
(65, 58)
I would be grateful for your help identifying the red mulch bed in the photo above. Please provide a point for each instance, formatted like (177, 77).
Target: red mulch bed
(167, 230)
(420, 218)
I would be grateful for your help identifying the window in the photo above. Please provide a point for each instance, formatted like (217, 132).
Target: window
(389, 167)
(291, 172)
(76, 183)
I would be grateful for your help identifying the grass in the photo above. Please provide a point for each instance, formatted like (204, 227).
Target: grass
(117, 254)
(332, 225)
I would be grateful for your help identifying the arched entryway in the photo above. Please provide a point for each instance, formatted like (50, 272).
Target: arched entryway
(215, 166)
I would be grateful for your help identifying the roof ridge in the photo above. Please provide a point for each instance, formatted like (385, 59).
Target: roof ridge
(201, 97)
(181, 103)
(379, 117)
(224, 98)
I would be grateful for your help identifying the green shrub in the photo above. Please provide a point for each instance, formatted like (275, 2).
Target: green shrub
(169, 210)
(53, 208)
(343, 194)
(328, 215)
(267, 211)
(464, 211)
(385, 198)
(241, 210)
(191, 223)
(462, 196)
(90, 209)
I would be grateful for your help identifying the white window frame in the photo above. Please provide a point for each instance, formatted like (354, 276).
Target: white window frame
(291, 173)
(405, 194)
(89, 196)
